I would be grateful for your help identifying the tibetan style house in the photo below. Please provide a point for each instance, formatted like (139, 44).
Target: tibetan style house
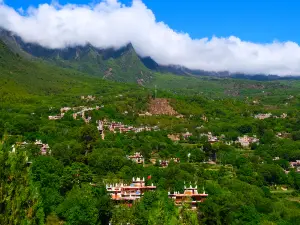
(190, 196)
(129, 193)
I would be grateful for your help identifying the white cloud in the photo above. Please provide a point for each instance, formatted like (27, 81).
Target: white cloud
(111, 24)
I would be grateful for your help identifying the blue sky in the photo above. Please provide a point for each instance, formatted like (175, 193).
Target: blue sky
(258, 21)
(249, 36)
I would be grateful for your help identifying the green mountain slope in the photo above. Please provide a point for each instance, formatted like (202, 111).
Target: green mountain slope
(123, 65)
(20, 77)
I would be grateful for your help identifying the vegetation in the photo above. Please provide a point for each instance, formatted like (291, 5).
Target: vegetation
(67, 185)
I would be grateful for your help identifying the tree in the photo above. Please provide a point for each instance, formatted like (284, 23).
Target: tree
(89, 135)
(79, 206)
(273, 174)
(296, 135)
(245, 129)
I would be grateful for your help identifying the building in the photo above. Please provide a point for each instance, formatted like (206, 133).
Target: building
(246, 141)
(137, 158)
(129, 193)
(283, 135)
(284, 116)
(57, 117)
(295, 165)
(145, 114)
(189, 196)
(263, 116)
(165, 163)
(211, 138)
(88, 98)
(100, 128)
(175, 160)
(45, 149)
(187, 135)
(174, 137)
(180, 116)
(204, 118)
(65, 109)
(18, 145)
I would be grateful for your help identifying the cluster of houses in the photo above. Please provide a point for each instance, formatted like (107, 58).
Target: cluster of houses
(211, 138)
(88, 98)
(137, 158)
(246, 141)
(165, 163)
(283, 135)
(262, 116)
(81, 113)
(44, 148)
(118, 127)
(150, 114)
(127, 194)
(295, 165)
(57, 117)
(178, 137)
(145, 114)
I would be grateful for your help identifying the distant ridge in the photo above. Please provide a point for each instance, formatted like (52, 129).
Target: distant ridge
(123, 65)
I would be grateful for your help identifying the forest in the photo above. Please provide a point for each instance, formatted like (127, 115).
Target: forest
(240, 153)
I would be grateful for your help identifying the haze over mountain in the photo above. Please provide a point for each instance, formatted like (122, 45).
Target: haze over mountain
(110, 24)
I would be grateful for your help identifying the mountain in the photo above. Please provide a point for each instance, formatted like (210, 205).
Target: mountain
(22, 78)
(123, 65)
(184, 71)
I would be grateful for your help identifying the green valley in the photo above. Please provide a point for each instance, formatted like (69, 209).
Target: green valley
(79, 149)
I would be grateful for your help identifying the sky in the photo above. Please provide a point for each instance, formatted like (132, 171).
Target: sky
(250, 36)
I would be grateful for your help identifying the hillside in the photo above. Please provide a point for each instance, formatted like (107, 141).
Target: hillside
(214, 87)
(61, 170)
(121, 65)
(21, 78)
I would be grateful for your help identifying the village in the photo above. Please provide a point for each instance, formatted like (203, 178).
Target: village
(262, 116)
(124, 193)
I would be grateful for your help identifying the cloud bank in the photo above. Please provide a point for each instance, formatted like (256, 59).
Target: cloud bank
(111, 24)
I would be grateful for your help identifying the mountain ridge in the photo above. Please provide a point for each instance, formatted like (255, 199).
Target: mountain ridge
(123, 64)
